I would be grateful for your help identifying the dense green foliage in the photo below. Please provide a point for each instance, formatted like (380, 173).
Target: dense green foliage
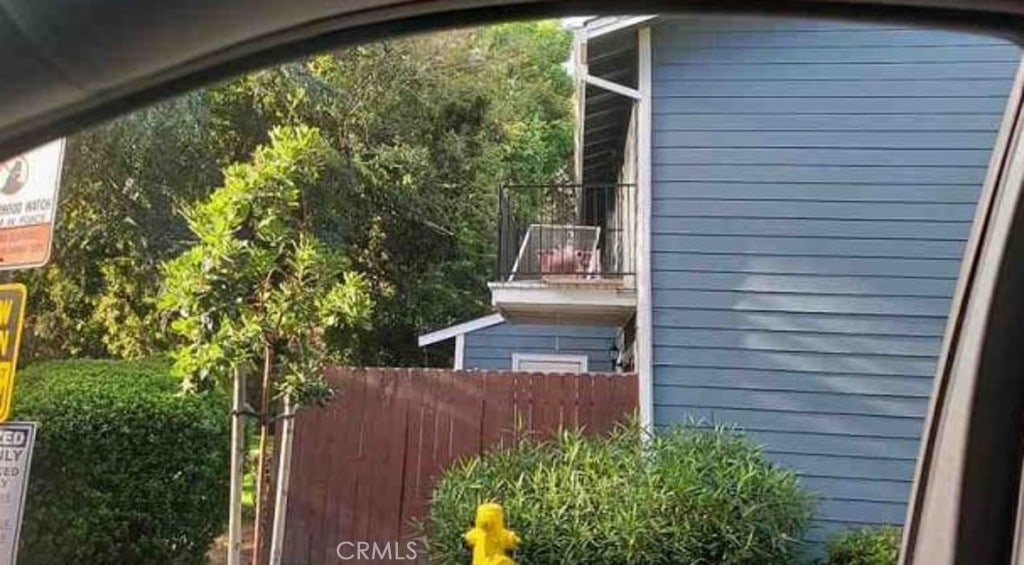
(126, 470)
(865, 546)
(691, 496)
(259, 290)
(424, 130)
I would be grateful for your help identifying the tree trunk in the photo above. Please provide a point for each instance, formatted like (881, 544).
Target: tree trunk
(264, 484)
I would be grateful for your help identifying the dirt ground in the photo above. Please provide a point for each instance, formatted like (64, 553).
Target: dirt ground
(218, 554)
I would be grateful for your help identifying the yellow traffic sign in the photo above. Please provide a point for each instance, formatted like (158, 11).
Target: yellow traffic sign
(12, 318)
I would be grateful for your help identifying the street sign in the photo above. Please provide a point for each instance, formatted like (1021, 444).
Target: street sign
(28, 206)
(16, 441)
(12, 316)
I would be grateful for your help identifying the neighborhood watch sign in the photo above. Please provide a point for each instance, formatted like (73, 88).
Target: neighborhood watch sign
(28, 206)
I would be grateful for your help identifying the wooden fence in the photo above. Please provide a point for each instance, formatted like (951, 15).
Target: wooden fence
(364, 467)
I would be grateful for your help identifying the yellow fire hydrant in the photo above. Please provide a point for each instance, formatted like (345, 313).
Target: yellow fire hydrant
(489, 538)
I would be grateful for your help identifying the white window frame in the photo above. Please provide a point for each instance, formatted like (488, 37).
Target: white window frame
(581, 360)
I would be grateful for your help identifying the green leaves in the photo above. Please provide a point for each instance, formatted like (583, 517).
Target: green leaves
(125, 470)
(413, 138)
(865, 546)
(691, 495)
(258, 278)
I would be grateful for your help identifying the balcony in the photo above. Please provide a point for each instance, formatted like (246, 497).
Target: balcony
(566, 253)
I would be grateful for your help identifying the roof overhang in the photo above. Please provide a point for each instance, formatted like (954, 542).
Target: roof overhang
(596, 27)
(608, 89)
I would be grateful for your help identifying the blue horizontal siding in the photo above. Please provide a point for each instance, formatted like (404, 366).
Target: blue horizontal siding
(760, 35)
(784, 322)
(667, 359)
(855, 469)
(822, 284)
(773, 263)
(838, 55)
(829, 139)
(915, 122)
(799, 341)
(862, 157)
(812, 246)
(813, 227)
(492, 348)
(668, 206)
(820, 173)
(865, 88)
(813, 186)
(782, 300)
(749, 72)
(797, 421)
(834, 105)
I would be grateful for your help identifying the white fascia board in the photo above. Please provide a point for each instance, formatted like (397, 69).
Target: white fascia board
(560, 295)
(459, 329)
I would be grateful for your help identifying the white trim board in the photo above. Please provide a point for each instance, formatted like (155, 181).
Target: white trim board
(460, 329)
(644, 304)
(612, 86)
(460, 352)
(597, 27)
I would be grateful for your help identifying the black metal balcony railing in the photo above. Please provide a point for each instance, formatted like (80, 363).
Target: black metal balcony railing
(566, 232)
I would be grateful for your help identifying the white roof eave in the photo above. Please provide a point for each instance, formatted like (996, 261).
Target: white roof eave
(597, 27)
(460, 329)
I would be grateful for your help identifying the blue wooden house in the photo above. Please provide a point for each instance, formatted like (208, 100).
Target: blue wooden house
(767, 227)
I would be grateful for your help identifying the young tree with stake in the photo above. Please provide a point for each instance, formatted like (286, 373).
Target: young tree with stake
(259, 293)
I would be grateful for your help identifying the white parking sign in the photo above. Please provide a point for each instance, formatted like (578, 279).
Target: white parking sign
(16, 441)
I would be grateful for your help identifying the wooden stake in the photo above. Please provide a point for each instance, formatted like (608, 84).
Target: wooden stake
(237, 470)
(263, 482)
(285, 443)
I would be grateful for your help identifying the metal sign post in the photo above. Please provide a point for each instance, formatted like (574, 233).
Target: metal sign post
(16, 442)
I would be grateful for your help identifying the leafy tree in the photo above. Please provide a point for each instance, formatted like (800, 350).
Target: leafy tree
(121, 185)
(423, 131)
(431, 127)
(258, 290)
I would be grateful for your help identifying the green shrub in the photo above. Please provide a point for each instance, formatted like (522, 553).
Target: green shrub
(865, 546)
(125, 469)
(692, 496)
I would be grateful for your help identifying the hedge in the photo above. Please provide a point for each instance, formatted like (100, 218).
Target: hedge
(865, 546)
(690, 496)
(125, 469)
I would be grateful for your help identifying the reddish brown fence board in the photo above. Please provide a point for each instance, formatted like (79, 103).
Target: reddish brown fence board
(363, 468)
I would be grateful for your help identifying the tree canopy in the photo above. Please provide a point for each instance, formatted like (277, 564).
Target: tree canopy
(258, 288)
(422, 131)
